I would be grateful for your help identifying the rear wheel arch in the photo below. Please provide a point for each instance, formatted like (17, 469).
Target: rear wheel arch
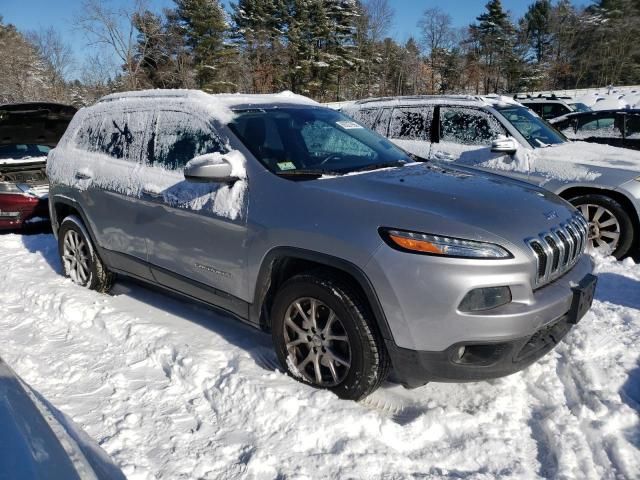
(283, 263)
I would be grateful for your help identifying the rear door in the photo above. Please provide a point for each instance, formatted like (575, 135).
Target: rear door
(411, 128)
(112, 151)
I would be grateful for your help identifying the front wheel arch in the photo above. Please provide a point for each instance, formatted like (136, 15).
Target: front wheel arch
(624, 202)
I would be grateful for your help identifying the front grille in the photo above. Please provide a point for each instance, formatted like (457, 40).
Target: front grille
(558, 250)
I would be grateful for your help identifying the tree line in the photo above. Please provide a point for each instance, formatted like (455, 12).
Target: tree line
(329, 50)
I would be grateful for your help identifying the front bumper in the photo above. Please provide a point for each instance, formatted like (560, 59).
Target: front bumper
(468, 362)
(30, 212)
(420, 295)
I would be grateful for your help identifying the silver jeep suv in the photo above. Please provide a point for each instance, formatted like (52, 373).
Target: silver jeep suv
(299, 221)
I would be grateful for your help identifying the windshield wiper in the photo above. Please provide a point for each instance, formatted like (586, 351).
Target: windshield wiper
(305, 173)
(377, 166)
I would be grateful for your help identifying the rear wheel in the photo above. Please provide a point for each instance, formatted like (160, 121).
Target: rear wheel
(80, 261)
(611, 230)
(323, 335)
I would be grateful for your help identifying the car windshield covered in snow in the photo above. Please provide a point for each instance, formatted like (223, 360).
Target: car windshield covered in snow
(537, 132)
(315, 141)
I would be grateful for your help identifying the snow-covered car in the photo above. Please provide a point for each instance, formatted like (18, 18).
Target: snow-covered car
(619, 128)
(498, 134)
(300, 221)
(37, 442)
(27, 132)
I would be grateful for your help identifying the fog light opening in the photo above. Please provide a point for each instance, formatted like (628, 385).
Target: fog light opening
(482, 299)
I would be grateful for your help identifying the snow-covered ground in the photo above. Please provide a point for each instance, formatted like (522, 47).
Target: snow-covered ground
(604, 98)
(173, 390)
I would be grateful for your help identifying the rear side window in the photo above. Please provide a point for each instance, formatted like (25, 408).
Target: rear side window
(122, 135)
(179, 137)
(411, 123)
(553, 110)
(366, 117)
(467, 126)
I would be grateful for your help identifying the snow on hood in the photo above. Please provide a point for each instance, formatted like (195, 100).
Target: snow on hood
(12, 161)
(571, 161)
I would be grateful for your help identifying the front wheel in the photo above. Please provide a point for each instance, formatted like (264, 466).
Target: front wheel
(324, 336)
(611, 230)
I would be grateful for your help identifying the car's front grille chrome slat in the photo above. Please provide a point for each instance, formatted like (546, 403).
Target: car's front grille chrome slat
(558, 250)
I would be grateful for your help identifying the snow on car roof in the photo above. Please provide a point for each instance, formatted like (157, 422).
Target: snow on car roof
(220, 106)
(462, 100)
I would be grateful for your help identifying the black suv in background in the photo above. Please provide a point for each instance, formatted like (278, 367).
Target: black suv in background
(620, 128)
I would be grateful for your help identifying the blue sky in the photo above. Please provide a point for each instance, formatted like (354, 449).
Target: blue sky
(34, 14)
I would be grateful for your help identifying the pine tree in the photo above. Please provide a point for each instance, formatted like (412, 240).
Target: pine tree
(204, 27)
(258, 27)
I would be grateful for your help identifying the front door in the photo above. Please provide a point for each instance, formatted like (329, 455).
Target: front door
(196, 232)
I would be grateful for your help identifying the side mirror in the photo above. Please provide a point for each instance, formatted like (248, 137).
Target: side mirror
(503, 144)
(211, 167)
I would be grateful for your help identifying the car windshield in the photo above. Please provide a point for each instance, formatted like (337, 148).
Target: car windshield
(311, 140)
(22, 151)
(537, 132)
(580, 107)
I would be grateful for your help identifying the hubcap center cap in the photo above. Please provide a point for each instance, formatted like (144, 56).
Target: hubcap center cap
(594, 231)
(316, 340)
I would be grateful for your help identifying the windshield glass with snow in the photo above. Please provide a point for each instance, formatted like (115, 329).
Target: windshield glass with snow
(537, 132)
(290, 141)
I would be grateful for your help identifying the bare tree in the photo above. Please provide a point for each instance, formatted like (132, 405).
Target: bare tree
(438, 36)
(380, 16)
(114, 28)
(58, 55)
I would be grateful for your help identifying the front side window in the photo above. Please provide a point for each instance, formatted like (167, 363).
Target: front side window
(296, 139)
(411, 123)
(180, 137)
(600, 126)
(535, 130)
(467, 126)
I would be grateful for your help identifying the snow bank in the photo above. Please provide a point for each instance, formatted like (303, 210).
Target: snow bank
(173, 390)
(604, 98)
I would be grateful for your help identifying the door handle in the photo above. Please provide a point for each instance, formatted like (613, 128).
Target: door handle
(83, 175)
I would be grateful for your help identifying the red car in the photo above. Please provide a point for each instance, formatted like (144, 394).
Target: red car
(27, 132)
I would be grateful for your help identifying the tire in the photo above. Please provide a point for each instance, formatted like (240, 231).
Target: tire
(351, 336)
(607, 218)
(79, 259)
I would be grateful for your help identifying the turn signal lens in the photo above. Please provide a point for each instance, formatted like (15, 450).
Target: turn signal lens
(438, 245)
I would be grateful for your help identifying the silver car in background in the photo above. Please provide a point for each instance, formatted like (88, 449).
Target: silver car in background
(299, 221)
(498, 134)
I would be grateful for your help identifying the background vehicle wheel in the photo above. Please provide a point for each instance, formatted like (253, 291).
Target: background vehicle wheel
(611, 230)
(80, 261)
(323, 334)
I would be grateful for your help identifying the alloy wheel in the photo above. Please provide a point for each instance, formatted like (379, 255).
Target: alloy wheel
(76, 258)
(317, 343)
(604, 228)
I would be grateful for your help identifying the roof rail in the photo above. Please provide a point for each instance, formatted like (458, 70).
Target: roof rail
(418, 97)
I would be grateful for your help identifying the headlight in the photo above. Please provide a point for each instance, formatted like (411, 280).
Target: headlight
(427, 244)
(8, 187)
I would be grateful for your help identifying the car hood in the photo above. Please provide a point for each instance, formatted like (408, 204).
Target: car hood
(34, 123)
(456, 201)
(591, 155)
